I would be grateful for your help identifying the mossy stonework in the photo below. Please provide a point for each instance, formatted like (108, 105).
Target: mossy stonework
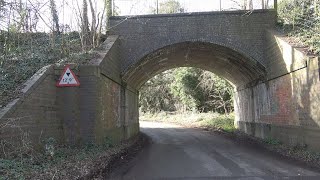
(276, 83)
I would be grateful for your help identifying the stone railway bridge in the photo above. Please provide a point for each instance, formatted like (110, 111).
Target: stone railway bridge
(276, 84)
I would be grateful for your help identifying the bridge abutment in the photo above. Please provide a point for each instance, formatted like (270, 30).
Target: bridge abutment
(284, 107)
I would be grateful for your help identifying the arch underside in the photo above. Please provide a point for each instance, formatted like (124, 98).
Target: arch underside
(237, 68)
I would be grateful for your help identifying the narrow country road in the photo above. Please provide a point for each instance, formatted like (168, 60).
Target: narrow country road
(180, 153)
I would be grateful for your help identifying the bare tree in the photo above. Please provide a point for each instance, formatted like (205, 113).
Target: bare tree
(2, 12)
(55, 17)
(250, 4)
(100, 20)
(36, 8)
(94, 25)
(22, 14)
(108, 5)
(244, 6)
(85, 32)
(266, 4)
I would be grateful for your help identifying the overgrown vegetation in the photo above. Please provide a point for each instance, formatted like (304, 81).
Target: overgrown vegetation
(24, 165)
(272, 141)
(190, 97)
(224, 122)
(24, 49)
(23, 54)
(301, 20)
(186, 89)
(56, 162)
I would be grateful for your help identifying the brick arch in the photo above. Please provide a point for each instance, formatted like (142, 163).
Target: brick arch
(152, 45)
(238, 68)
(236, 30)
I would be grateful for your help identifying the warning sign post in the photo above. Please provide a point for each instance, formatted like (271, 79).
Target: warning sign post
(68, 78)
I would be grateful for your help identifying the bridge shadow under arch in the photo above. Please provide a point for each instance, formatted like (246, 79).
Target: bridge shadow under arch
(239, 69)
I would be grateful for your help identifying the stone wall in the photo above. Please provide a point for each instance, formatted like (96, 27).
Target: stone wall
(79, 106)
(93, 111)
(285, 107)
(102, 108)
(131, 112)
(33, 117)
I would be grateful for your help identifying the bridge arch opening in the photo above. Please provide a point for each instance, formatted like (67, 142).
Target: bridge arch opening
(239, 69)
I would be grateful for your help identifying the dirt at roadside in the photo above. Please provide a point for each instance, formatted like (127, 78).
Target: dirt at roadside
(126, 155)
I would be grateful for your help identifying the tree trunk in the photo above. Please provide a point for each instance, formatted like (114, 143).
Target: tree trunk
(245, 5)
(93, 25)
(109, 12)
(100, 26)
(250, 5)
(85, 28)
(55, 17)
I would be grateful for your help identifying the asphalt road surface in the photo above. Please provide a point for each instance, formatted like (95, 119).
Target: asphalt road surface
(180, 153)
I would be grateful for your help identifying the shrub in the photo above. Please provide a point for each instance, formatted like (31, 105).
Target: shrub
(301, 19)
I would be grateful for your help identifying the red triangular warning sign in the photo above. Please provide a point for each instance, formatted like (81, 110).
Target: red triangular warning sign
(68, 78)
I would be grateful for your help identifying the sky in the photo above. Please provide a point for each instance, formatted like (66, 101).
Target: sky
(140, 7)
(133, 7)
(69, 12)
(136, 7)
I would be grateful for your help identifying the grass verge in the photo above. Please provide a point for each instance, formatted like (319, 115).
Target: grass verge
(200, 120)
